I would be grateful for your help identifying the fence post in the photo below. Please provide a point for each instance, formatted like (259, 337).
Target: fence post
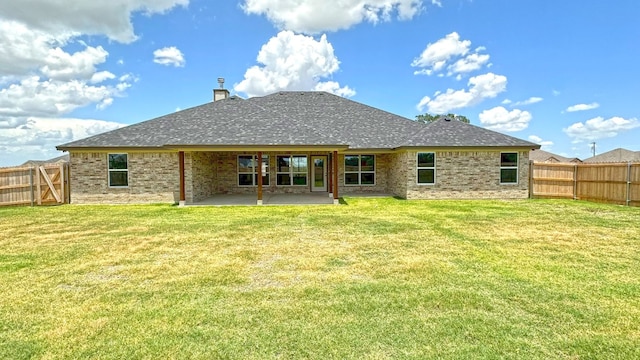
(31, 184)
(628, 183)
(62, 192)
(67, 179)
(575, 181)
(530, 179)
(38, 186)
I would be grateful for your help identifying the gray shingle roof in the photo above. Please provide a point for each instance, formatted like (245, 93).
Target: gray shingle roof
(57, 159)
(616, 155)
(452, 133)
(294, 118)
(545, 156)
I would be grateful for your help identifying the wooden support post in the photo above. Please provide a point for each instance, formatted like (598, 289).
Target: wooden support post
(531, 193)
(62, 194)
(330, 175)
(259, 165)
(628, 183)
(67, 182)
(31, 183)
(575, 181)
(335, 178)
(38, 187)
(182, 187)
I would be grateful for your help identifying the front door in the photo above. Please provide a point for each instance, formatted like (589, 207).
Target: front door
(318, 173)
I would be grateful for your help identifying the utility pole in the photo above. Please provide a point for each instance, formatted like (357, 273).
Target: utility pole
(593, 148)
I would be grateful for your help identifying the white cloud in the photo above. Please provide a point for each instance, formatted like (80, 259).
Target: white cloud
(43, 79)
(583, 107)
(438, 56)
(469, 63)
(599, 128)
(293, 62)
(481, 87)
(529, 101)
(501, 119)
(101, 76)
(334, 88)
(37, 138)
(316, 16)
(435, 56)
(538, 140)
(506, 102)
(72, 17)
(60, 65)
(36, 97)
(424, 102)
(23, 49)
(169, 56)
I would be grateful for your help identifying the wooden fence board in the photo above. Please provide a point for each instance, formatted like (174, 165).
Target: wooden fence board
(46, 184)
(617, 183)
(553, 180)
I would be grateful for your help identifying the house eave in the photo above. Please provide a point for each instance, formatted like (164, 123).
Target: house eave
(226, 148)
(468, 148)
(112, 148)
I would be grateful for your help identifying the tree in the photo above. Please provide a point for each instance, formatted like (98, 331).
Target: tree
(428, 118)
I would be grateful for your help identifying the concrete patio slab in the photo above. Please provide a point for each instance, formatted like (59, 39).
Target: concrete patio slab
(267, 199)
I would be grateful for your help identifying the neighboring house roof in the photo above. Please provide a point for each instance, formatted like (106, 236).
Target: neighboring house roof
(58, 159)
(294, 118)
(616, 155)
(545, 156)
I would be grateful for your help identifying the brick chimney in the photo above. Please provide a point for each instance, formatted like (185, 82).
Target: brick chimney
(221, 93)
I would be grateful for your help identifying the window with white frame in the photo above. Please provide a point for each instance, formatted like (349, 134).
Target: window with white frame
(248, 170)
(359, 170)
(426, 166)
(292, 170)
(509, 168)
(118, 170)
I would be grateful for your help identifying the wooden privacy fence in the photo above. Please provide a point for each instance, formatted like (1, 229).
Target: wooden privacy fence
(617, 183)
(35, 185)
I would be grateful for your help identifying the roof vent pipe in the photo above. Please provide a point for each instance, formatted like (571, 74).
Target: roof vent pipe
(221, 93)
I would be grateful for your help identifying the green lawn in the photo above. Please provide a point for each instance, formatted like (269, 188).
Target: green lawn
(372, 279)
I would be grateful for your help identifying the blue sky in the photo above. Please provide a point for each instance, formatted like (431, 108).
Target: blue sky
(560, 73)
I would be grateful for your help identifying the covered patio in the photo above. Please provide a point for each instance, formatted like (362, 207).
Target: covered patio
(237, 176)
(281, 199)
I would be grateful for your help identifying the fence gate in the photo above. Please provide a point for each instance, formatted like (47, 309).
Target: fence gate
(35, 185)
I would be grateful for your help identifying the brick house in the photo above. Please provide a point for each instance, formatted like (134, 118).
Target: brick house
(294, 142)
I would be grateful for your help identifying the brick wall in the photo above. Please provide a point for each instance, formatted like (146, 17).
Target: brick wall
(468, 175)
(153, 177)
(398, 174)
(202, 177)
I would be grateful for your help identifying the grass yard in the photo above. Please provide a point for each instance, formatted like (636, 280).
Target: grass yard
(373, 279)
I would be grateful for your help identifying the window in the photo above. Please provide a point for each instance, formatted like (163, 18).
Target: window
(118, 170)
(426, 168)
(359, 170)
(508, 168)
(248, 170)
(292, 170)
